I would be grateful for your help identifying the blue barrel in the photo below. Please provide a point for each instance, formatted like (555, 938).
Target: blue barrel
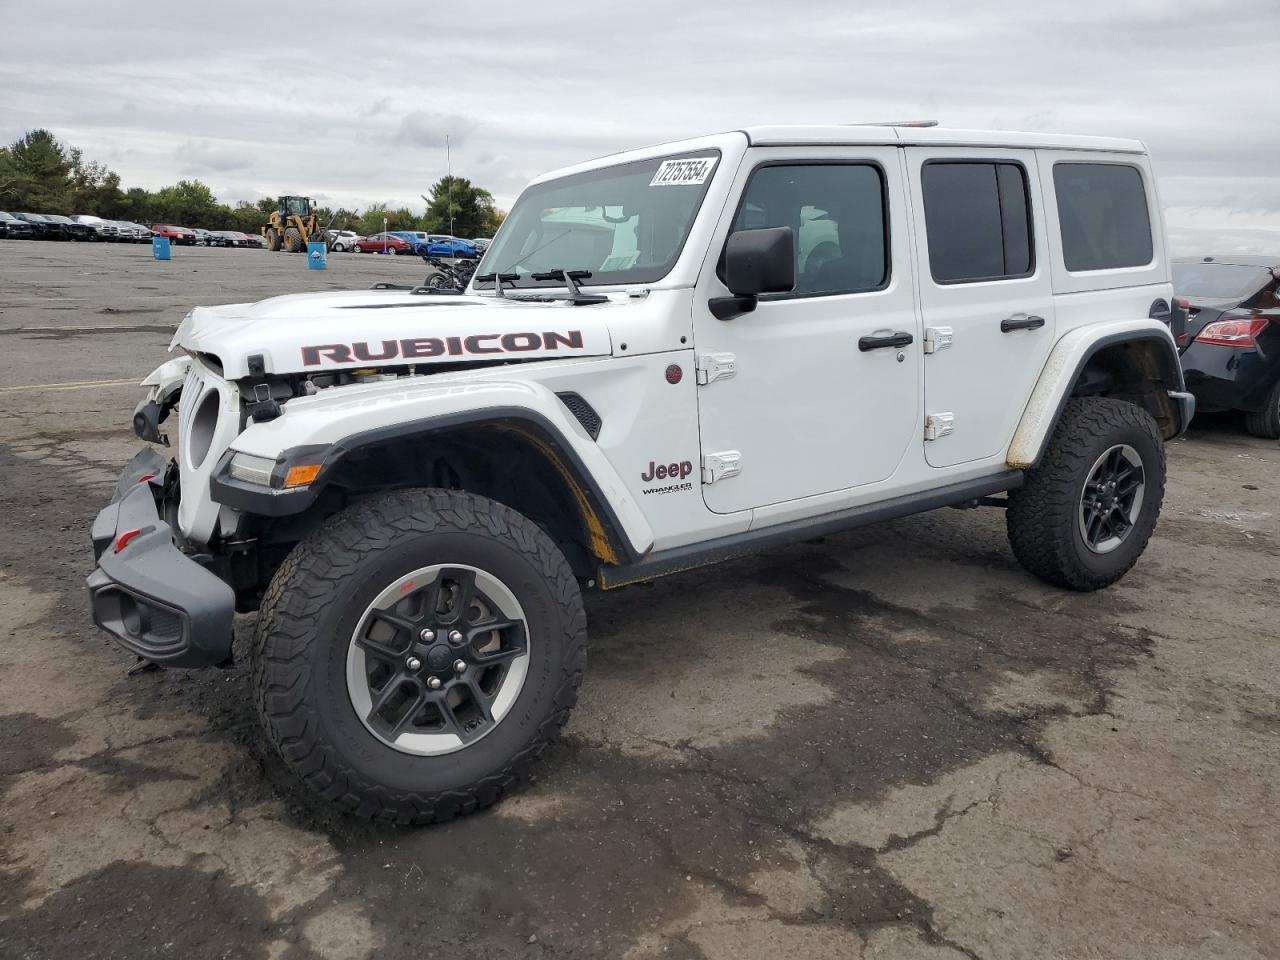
(317, 257)
(160, 248)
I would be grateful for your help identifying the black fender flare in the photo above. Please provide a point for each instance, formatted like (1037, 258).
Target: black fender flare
(600, 519)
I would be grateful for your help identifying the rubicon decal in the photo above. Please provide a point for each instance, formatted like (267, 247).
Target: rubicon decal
(421, 348)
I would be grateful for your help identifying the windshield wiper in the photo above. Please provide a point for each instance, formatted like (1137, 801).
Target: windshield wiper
(496, 279)
(568, 276)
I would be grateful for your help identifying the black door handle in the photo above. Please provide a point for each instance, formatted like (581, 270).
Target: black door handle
(899, 339)
(1021, 323)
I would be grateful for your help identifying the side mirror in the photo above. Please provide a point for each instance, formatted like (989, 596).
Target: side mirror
(755, 262)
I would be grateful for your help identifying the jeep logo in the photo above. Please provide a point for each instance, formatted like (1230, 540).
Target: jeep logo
(667, 471)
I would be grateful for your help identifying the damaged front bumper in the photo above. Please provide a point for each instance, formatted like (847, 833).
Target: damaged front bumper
(156, 601)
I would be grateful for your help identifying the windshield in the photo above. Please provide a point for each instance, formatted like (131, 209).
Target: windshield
(1218, 281)
(625, 224)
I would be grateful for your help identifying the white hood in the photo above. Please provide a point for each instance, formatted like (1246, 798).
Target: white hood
(315, 332)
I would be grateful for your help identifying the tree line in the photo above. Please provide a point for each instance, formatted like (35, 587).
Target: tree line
(39, 174)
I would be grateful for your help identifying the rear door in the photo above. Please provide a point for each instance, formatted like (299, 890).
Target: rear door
(985, 288)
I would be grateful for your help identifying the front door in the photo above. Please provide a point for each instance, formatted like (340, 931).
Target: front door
(985, 291)
(820, 399)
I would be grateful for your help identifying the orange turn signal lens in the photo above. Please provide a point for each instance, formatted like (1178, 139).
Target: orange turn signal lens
(301, 476)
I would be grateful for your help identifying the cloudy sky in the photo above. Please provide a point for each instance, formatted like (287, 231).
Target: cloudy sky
(360, 97)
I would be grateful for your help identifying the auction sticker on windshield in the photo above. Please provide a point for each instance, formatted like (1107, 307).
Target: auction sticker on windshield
(683, 173)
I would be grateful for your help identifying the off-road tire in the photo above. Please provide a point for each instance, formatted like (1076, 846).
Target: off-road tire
(1042, 515)
(292, 240)
(1266, 422)
(306, 623)
(273, 239)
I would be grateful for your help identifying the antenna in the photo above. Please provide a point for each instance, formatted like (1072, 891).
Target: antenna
(448, 153)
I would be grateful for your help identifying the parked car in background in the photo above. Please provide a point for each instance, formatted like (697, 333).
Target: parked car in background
(380, 242)
(1231, 346)
(342, 240)
(180, 235)
(100, 229)
(130, 232)
(445, 246)
(11, 228)
(234, 238)
(211, 238)
(417, 239)
(481, 243)
(45, 229)
(71, 229)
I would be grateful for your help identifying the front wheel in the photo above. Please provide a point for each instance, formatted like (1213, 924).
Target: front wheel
(416, 653)
(1086, 511)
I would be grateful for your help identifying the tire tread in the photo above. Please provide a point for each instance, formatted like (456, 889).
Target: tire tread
(1041, 515)
(293, 604)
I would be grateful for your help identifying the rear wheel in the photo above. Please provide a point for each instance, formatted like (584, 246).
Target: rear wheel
(292, 240)
(273, 239)
(1086, 511)
(1266, 422)
(417, 652)
(339, 248)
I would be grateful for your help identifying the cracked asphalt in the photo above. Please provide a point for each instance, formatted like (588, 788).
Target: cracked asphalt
(889, 744)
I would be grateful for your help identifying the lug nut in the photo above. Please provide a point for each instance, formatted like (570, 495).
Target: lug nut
(427, 635)
(413, 663)
(459, 666)
(433, 683)
(455, 637)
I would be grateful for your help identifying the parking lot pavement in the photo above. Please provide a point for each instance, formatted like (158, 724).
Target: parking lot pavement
(892, 743)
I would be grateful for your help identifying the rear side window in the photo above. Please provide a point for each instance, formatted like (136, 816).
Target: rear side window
(977, 220)
(1102, 208)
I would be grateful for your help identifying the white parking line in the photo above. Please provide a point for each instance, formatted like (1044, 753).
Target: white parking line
(74, 385)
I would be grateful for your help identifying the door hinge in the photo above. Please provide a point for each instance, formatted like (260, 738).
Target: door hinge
(715, 366)
(937, 338)
(717, 466)
(939, 425)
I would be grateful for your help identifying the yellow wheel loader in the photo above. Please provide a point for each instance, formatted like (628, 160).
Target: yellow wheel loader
(292, 225)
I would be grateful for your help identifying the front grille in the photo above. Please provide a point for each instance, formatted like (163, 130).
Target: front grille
(192, 391)
(583, 412)
(207, 423)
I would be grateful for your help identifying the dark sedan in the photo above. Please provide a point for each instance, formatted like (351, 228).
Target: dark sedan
(1231, 346)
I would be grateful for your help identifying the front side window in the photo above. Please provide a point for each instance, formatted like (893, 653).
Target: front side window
(624, 224)
(977, 220)
(1102, 209)
(838, 214)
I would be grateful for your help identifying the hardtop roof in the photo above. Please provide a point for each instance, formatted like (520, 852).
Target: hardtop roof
(904, 135)
(853, 134)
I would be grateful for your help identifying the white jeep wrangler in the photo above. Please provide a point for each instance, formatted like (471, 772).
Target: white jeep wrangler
(667, 358)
